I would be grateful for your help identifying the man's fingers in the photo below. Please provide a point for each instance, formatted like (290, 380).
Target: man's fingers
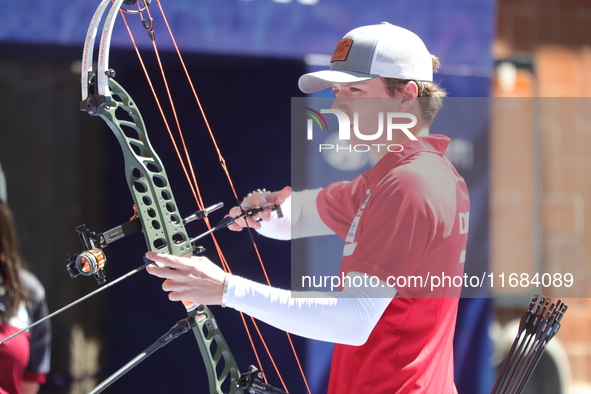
(194, 279)
(169, 285)
(235, 211)
(177, 296)
(252, 223)
(235, 227)
(173, 296)
(241, 223)
(239, 227)
(255, 200)
(282, 195)
(164, 273)
(166, 259)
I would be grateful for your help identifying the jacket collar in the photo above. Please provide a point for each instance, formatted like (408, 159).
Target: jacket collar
(433, 143)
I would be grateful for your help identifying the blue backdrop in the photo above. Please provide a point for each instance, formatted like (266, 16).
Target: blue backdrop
(458, 31)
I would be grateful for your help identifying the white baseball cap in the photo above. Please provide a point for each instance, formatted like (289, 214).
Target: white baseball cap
(373, 51)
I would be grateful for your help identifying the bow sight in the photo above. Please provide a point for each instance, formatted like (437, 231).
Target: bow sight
(92, 260)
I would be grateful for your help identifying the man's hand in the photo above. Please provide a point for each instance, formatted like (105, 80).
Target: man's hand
(256, 200)
(194, 279)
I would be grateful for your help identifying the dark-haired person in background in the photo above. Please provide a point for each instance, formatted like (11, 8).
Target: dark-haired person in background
(24, 360)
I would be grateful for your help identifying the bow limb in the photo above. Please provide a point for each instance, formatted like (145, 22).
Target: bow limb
(148, 183)
(87, 54)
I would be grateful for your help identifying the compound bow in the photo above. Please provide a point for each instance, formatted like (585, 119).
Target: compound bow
(156, 210)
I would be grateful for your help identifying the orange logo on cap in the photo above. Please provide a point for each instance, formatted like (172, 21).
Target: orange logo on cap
(342, 50)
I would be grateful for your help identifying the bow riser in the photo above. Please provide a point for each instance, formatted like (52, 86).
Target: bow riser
(162, 226)
(223, 360)
(146, 178)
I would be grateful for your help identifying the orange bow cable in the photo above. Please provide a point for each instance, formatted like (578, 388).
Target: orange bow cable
(193, 187)
(191, 178)
(225, 168)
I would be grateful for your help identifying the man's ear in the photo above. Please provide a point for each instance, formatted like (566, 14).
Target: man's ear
(409, 94)
(410, 90)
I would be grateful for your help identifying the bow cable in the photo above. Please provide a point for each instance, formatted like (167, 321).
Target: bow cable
(193, 185)
(190, 173)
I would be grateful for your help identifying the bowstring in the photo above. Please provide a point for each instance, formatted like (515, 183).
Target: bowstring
(229, 178)
(191, 177)
(194, 189)
(193, 185)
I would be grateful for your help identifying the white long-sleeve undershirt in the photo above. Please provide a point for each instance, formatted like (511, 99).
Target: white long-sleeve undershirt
(346, 317)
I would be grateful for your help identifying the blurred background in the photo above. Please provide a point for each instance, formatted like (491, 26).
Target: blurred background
(523, 144)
